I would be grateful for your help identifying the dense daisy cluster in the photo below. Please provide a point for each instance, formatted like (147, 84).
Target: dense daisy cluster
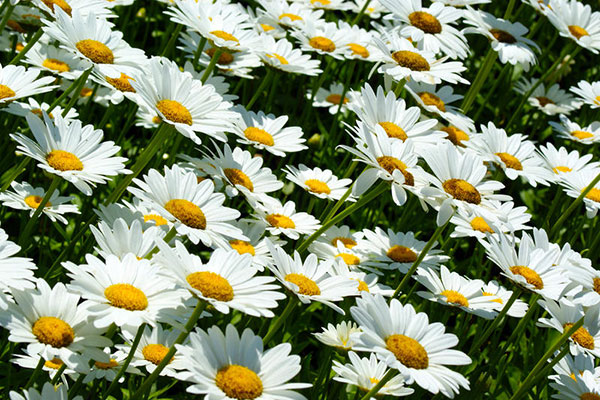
(299, 199)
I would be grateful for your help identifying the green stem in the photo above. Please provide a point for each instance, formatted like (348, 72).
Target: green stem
(261, 86)
(58, 374)
(386, 378)
(35, 373)
(292, 302)
(509, 9)
(66, 93)
(169, 46)
(170, 235)
(7, 15)
(17, 171)
(198, 51)
(211, 65)
(482, 74)
(25, 236)
(38, 34)
(74, 390)
(81, 83)
(361, 12)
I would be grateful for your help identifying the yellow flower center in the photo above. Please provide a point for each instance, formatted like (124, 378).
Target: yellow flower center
(322, 43)
(347, 242)
(187, 212)
(503, 36)
(242, 247)
(582, 134)
(56, 65)
(454, 297)
(479, 224)
(322, 2)
(317, 186)
(55, 363)
(581, 336)
(462, 190)
(561, 168)
(393, 130)
(281, 59)
(174, 111)
(211, 285)
(53, 331)
(408, 351)
(126, 296)
(425, 22)
(86, 92)
(121, 83)
(593, 194)
(390, 164)
(60, 3)
(589, 396)
(510, 161)
(336, 99)
(597, 285)
(456, 135)
(306, 286)
(293, 17)
(259, 135)
(238, 177)
(411, 60)
(266, 27)
(280, 221)
(359, 50)
(349, 259)
(102, 365)
(374, 381)
(225, 36)
(6, 92)
(239, 382)
(155, 353)
(62, 160)
(225, 58)
(157, 219)
(34, 201)
(530, 275)
(39, 113)
(401, 254)
(544, 101)
(496, 300)
(578, 31)
(96, 51)
(362, 286)
(430, 99)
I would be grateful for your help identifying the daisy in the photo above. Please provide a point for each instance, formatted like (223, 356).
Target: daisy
(539, 5)
(359, 43)
(49, 392)
(430, 27)
(323, 38)
(30, 361)
(108, 370)
(401, 59)
(281, 55)
(84, 7)
(338, 336)
(570, 130)
(17, 82)
(406, 341)
(508, 39)
(550, 101)
(340, 235)
(16, 272)
(576, 21)
(120, 238)
(575, 183)
(575, 387)
(499, 296)
(362, 281)
(365, 373)
(589, 93)
(193, 207)
(267, 132)
(33, 106)
(233, 366)
(462, 3)
(227, 281)
(587, 279)
(320, 183)
(288, 15)
(182, 101)
(26, 197)
(71, 151)
(356, 260)
(438, 100)
(331, 98)
(479, 222)
(310, 280)
(452, 289)
(374, 8)
(338, 5)
(283, 219)
(573, 365)
(57, 61)
(561, 161)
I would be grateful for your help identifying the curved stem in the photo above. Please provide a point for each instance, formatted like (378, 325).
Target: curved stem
(58, 374)
(386, 378)
(38, 34)
(25, 235)
(35, 372)
(361, 12)
(484, 71)
(7, 15)
(261, 86)
(70, 89)
(292, 302)
(211, 65)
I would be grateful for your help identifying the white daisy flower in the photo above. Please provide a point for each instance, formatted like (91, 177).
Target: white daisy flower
(338, 336)
(283, 219)
(33, 106)
(438, 100)
(374, 9)
(282, 55)
(575, 183)
(320, 183)
(462, 3)
(288, 15)
(17, 82)
(353, 259)
(324, 38)
(539, 5)
(16, 272)
(26, 197)
(332, 98)
(108, 370)
(84, 7)
(30, 361)
(193, 207)
(57, 61)
(576, 21)
(71, 151)
(574, 365)
(233, 366)
(587, 279)
(479, 222)
(49, 392)
(550, 101)
(583, 386)
(120, 238)
(499, 296)
(570, 130)
(337, 5)
(561, 161)
(363, 282)
(406, 341)
(359, 43)
(589, 93)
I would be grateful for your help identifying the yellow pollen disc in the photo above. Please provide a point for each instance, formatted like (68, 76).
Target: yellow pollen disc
(174, 111)
(293, 17)
(530, 275)
(280, 221)
(155, 353)
(86, 92)
(60, 3)
(225, 36)
(322, 43)
(62, 160)
(38, 112)
(581, 336)
(34, 201)
(56, 65)
(430, 99)
(55, 363)
(211, 285)
(454, 297)
(19, 46)
(362, 286)
(281, 59)
(597, 285)
(126, 296)
(242, 247)
(6, 92)
(561, 168)
(238, 177)
(597, 100)
(187, 212)
(157, 219)
(425, 22)
(266, 27)
(359, 50)
(582, 134)
(479, 224)
(589, 396)
(462, 190)
(259, 135)
(393, 130)
(544, 101)
(306, 286)
(336, 99)
(411, 60)
(503, 36)
(510, 161)
(408, 351)
(225, 58)
(121, 83)
(156, 120)
(496, 300)
(401, 254)
(96, 51)
(322, 2)
(239, 382)
(593, 195)
(317, 186)
(374, 381)
(390, 164)
(349, 259)
(347, 242)
(578, 31)
(53, 331)
(111, 364)
(456, 135)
